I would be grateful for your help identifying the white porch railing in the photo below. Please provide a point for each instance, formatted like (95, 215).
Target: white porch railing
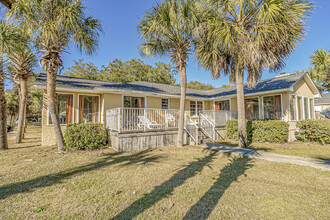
(191, 127)
(141, 119)
(131, 119)
(219, 118)
(112, 120)
(207, 126)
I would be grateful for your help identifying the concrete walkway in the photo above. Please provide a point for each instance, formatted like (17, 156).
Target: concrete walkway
(316, 163)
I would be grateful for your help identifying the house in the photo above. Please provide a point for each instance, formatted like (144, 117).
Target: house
(140, 108)
(323, 103)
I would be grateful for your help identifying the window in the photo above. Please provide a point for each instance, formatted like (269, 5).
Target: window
(195, 107)
(311, 105)
(306, 110)
(293, 107)
(165, 104)
(133, 102)
(192, 108)
(64, 109)
(88, 109)
(272, 107)
(222, 105)
(252, 109)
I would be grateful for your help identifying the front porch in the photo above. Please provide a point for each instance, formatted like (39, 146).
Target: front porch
(138, 128)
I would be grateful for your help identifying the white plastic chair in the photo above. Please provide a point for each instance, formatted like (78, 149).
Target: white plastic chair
(145, 122)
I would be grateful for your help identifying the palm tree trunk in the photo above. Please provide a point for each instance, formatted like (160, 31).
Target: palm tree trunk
(183, 83)
(22, 110)
(51, 96)
(3, 110)
(242, 142)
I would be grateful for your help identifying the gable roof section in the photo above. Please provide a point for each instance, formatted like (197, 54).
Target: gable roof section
(324, 100)
(282, 83)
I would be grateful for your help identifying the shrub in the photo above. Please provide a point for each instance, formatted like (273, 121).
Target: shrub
(260, 131)
(232, 129)
(270, 131)
(87, 136)
(314, 130)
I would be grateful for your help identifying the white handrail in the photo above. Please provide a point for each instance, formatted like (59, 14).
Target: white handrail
(208, 127)
(191, 128)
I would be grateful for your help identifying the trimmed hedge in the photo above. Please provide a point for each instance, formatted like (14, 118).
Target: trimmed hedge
(260, 131)
(314, 130)
(232, 129)
(87, 136)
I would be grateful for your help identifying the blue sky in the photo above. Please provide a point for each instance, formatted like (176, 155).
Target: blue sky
(120, 40)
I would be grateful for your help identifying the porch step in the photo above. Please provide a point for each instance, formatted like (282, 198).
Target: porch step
(203, 138)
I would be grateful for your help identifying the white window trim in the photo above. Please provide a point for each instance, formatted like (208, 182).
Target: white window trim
(303, 107)
(253, 97)
(296, 98)
(308, 108)
(73, 102)
(263, 109)
(259, 107)
(98, 107)
(196, 107)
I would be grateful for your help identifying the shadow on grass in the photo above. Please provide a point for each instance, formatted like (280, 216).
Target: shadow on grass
(325, 160)
(250, 146)
(229, 174)
(141, 157)
(166, 188)
(25, 147)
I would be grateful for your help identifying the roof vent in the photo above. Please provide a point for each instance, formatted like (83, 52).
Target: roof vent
(283, 74)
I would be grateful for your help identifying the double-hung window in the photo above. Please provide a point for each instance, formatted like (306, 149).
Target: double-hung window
(195, 107)
(165, 104)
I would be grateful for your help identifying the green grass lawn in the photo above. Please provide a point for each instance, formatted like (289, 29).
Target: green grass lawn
(163, 183)
(311, 150)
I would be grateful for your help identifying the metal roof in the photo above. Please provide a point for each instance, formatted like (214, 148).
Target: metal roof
(66, 82)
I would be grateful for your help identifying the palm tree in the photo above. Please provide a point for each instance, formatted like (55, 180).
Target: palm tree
(321, 67)
(55, 24)
(22, 62)
(167, 29)
(249, 36)
(9, 39)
